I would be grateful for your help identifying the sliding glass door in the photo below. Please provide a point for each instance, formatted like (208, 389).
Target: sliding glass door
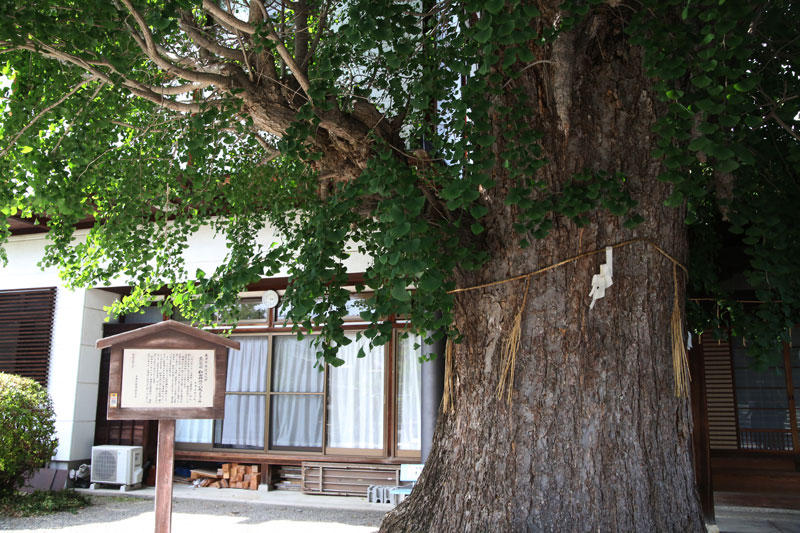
(356, 399)
(245, 396)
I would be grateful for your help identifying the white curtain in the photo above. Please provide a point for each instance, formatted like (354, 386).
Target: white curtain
(296, 418)
(194, 430)
(247, 367)
(293, 365)
(355, 398)
(296, 421)
(409, 378)
(243, 425)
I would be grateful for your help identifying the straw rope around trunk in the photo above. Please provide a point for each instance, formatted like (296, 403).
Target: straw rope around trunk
(511, 347)
(680, 362)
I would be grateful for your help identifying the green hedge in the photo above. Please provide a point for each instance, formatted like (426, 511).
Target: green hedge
(27, 427)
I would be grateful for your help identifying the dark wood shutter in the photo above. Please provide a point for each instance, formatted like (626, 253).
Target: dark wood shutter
(26, 328)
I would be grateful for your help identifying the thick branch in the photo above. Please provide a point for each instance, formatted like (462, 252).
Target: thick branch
(146, 43)
(201, 40)
(226, 19)
(174, 90)
(301, 32)
(166, 102)
(151, 46)
(289, 60)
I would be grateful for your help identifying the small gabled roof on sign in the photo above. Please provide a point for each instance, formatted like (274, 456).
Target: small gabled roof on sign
(162, 328)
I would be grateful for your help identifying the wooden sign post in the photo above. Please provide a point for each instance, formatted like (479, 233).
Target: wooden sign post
(165, 372)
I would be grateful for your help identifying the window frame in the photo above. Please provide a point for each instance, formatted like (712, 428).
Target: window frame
(271, 327)
(325, 450)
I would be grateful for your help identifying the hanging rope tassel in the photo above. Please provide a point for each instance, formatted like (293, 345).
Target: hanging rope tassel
(510, 349)
(449, 386)
(680, 361)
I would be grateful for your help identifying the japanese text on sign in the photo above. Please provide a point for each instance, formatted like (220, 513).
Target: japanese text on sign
(167, 378)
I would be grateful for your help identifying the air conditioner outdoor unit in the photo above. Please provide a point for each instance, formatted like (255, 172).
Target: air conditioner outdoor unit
(120, 465)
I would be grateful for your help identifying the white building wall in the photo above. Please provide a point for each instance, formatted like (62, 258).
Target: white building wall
(64, 358)
(207, 251)
(87, 377)
(23, 272)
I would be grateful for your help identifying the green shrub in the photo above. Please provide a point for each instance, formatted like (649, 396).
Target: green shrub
(42, 502)
(26, 430)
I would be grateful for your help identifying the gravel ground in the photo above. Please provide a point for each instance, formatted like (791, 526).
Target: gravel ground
(115, 514)
(135, 515)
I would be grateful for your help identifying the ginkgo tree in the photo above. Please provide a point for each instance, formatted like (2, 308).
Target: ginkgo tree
(484, 154)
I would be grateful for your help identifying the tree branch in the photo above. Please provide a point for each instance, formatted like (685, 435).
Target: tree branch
(323, 21)
(80, 111)
(142, 88)
(271, 152)
(53, 53)
(289, 60)
(41, 113)
(244, 50)
(174, 90)
(233, 24)
(774, 116)
(116, 146)
(301, 33)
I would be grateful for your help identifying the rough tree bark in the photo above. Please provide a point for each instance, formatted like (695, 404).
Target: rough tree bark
(594, 439)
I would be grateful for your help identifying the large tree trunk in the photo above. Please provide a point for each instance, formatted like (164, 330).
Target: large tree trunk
(594, 438)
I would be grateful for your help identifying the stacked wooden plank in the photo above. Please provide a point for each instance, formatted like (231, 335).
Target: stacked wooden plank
(287, 477)
(231, 475)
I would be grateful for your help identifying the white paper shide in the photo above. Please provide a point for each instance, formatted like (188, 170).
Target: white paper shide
(167, 378)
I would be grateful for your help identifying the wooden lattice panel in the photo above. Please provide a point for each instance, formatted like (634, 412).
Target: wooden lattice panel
(720, 400)
(342, 479)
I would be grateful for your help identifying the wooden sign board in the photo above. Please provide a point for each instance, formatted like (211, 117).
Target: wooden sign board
(167, 371)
